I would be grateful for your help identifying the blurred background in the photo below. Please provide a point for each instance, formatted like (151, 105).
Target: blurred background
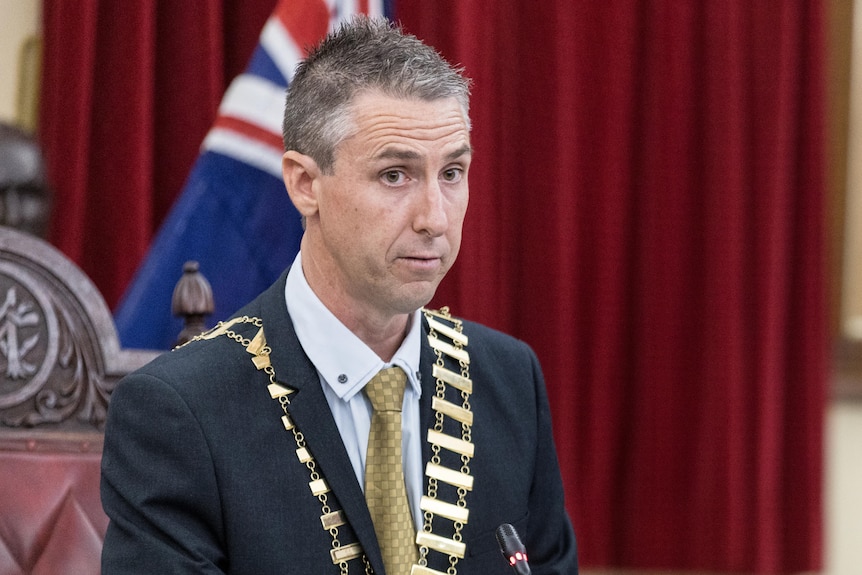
(666, 204)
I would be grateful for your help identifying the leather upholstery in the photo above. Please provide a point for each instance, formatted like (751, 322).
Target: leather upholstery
(52, 521)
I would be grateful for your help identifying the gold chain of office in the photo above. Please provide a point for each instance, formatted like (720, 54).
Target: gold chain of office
(447, 339)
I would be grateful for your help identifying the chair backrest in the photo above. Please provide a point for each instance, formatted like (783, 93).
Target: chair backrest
(60, 358)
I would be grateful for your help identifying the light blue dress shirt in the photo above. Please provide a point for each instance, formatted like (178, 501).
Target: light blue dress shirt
(345, 364)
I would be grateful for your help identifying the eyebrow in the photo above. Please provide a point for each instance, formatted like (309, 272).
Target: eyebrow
(464, 150)
(396, 154)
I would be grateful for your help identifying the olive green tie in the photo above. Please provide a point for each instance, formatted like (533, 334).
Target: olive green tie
(385, 492)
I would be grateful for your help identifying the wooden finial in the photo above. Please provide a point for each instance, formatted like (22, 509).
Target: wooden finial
(193, 301)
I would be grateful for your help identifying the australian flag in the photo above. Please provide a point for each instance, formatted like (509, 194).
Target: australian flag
(234, 216)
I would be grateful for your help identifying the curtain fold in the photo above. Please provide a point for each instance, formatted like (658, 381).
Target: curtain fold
(647, 212)
(129, 91)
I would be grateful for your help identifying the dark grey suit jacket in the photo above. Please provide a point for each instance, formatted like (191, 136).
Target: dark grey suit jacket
(200, 476)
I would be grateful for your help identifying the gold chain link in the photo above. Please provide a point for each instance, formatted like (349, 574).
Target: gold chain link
(223, 328)
(466, 435)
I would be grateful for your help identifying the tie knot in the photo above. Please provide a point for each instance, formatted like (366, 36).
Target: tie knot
(386, 389)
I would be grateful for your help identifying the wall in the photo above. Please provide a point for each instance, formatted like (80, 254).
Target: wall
(18, 19)
(844, 488)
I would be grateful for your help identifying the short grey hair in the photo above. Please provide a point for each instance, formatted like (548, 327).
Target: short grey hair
(362, 55)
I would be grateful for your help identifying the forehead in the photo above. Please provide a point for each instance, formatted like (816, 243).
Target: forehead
(380, 121)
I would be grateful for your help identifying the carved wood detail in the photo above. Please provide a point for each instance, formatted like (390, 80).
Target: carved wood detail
(60, 356)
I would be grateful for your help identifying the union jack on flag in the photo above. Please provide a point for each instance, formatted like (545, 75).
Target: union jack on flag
(234, 216)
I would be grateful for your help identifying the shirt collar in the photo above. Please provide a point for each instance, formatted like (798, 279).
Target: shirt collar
(344, 362)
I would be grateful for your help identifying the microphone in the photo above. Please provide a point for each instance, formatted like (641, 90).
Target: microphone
(512, 548)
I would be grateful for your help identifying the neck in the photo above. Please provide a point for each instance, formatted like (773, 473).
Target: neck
(383, 340)
(382, 332)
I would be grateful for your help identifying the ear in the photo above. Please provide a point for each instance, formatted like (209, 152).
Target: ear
(300, 174)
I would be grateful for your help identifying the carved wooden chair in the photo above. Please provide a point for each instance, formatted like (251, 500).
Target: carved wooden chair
(60, 358)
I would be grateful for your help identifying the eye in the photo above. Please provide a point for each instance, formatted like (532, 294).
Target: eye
(393, 177)
(452, 175)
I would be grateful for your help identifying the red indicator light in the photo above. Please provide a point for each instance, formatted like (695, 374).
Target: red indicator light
(518, 556)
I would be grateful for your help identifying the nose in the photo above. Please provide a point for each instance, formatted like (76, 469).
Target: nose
(430, 216)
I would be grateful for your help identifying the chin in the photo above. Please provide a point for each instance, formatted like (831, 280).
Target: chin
(410, 302)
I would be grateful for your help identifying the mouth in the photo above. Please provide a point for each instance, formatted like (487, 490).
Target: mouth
(422, 263)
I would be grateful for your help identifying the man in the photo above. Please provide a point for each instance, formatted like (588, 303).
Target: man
(263, 447)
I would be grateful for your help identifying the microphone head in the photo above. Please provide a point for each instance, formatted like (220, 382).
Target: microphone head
(511, 546)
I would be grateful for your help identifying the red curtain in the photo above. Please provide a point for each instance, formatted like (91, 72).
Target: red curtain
(129, 91)
(646, 212)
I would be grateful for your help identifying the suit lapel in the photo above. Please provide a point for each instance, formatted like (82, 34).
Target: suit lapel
(310, 411)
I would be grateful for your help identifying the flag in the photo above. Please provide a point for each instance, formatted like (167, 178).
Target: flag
(233, 215)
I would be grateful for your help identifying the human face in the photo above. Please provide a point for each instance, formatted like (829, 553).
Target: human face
(388, 219)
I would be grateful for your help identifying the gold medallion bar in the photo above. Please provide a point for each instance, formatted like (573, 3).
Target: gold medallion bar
(345, 553)
(303, 454)
(443, 509)
(257, 343)
(455, 380)
(318, 487)
(442, 313)
(331, 520)
(261, 361)
(449, 476)
(456, 412)
(449, 349)
(219, 329)
(441, 544)
(449, 332)
(420, 570)
(276, 390)
(455, 444)
(288, 423)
